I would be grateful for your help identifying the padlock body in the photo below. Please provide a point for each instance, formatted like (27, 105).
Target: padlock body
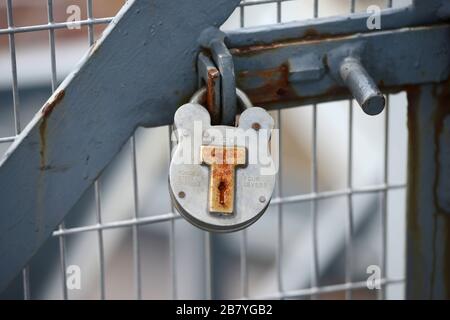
(192, 182)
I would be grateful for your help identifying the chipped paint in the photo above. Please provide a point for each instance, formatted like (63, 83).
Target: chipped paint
(52, 103)
(310, 36)
(212, 105)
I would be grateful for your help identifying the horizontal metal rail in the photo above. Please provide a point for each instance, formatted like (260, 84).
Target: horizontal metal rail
(56, 25)
(275, 201)
(296, 294)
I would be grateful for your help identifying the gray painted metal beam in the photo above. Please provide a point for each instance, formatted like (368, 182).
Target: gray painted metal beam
(422, 12)
(428, 199)
(137, 74)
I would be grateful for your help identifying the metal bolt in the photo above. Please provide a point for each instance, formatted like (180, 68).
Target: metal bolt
(262, 199)
(181, 194)
(362, 86)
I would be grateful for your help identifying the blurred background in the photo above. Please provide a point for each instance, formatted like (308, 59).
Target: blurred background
(136, 257)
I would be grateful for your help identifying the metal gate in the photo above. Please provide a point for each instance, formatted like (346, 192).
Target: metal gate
(76, 151)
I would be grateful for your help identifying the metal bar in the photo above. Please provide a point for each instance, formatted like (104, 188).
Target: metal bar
(328, 289)
(56, 25)
(334, 194)
(244, 237)
(51, 36)
(362, 86)
(428, 195)
(7, 139)
(279, 256)
(275, 201)
(244, 265)
(384, 209)
(173, 252)
(90, 16)
(136, 248)
(349, 220)
(280, 230)
(26, 283)
(384, 201)
(62, 257)
(224, 62)
(101, 251)
(60, 154)
(315, 278)
(208, 266)
(349, 226)
(12, 50)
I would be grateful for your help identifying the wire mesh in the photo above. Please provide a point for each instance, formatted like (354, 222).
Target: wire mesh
(279, 201)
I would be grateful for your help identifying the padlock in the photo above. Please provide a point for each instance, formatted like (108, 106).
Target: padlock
(221, 177)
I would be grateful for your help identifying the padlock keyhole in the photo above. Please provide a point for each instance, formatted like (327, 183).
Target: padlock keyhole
(222, 187)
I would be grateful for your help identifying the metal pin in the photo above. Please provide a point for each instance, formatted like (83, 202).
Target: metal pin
(362, 86)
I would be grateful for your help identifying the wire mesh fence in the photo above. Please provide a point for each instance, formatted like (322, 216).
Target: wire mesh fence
(138, 221)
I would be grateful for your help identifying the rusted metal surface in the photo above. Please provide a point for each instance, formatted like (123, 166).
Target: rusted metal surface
(211, 102)
(262, 71)
(213, 41)
(310, 36)
(428, 214)
(209, 77)
(222, 162)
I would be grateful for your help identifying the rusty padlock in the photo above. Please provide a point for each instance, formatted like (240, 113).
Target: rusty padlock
(221, 177)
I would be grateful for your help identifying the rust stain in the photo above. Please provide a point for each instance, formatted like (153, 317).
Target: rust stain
(437, 223)
(43, 166)
(309, 36)
(46, 112)
(413, 225)
(223, 162)
(211, 103)
(49, 106)
(275, 85)
(441, 94)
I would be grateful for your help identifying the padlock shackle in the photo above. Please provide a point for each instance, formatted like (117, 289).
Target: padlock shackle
(242, 97)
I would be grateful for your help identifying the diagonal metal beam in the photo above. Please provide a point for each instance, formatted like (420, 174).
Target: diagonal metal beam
(142, 69)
